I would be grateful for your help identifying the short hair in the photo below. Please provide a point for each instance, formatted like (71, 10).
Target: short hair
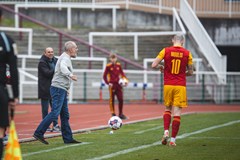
(112, 55)
(69, 44)
(178, 37)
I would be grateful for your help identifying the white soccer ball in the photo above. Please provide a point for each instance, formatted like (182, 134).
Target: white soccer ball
(123, 81)
(115, 123)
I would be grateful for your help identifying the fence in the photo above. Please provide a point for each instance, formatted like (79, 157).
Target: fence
(177, 23)
(144, 86)
(203, 8)
(205, 43)
(86, 90)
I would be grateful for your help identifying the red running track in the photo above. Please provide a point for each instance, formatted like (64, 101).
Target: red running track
(91, 116)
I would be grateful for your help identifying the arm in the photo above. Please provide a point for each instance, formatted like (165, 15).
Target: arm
(123, 76)
(65, 70)
(189, 71)
(12, 61)
(105, 75)
(156, 63)
(122, 73)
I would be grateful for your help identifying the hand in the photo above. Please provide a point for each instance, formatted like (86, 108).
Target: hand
(161, 68)
(110, 84)
(74, 77)
(13, 103)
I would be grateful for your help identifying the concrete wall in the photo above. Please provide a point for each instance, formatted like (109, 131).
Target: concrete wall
(222, 31)
(101, 18)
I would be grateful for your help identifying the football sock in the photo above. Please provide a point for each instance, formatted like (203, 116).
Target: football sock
(1, 148)
(175, 126)
(166, 119)
(173, 140)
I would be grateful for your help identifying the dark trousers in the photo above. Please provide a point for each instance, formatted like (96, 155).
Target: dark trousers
(4, 121)
(116, 90)
(45, 105)
(59, 106)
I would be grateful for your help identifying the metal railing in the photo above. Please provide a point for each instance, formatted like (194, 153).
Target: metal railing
(176, 21)
(69, 8)
(78, 40)
(205, 43)
(28, 76)
(28, 30)
(203, 8)
(90, 88)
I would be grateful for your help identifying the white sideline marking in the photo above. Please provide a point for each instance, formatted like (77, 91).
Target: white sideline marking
(147, 130)
(54, 149)
(159, 142)
(214, 138)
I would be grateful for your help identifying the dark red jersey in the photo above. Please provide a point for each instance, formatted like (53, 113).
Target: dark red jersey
(113, 72)
(176, 59)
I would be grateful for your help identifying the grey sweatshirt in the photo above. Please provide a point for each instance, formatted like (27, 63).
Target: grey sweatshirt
(63, 71)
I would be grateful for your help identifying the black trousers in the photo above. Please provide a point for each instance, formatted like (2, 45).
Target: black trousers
(4, 118)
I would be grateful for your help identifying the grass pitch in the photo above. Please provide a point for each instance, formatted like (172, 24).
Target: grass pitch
(212, 136)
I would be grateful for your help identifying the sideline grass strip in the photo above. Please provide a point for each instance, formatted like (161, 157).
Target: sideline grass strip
(159, 142)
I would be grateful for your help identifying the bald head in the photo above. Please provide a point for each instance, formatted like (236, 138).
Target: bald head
(178, 39)
(49, 52)
(71, 48)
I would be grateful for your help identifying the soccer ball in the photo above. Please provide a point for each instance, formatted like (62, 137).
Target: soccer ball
(115, 123)
(123, 81)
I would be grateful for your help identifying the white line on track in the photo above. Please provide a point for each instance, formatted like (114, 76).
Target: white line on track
(147, 130)
(54, 149)
(159, 142)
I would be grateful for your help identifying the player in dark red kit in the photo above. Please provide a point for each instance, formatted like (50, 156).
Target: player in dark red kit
(113, 72)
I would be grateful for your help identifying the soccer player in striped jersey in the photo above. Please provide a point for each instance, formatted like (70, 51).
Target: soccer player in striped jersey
(177, 65)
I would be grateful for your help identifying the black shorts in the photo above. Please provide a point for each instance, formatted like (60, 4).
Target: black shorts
(4, 118)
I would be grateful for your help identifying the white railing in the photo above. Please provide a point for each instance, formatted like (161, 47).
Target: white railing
(25, 75)
(88, 87)
(28, 30)
(69, 8)
(138, 34)
(230, 8)
(217, 61)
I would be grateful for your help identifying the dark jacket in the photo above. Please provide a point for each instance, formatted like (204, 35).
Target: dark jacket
(46, 69)
(8, 56)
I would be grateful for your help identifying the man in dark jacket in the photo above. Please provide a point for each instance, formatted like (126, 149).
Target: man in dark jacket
(8, 98)
(46, 69)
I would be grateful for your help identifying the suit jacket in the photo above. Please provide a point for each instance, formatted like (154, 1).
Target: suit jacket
(46, 69)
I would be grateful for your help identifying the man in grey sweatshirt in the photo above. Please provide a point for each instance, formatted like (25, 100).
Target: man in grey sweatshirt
(61, 81)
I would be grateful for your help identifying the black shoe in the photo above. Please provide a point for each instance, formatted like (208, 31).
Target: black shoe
(73, 141)
(122, 116)
(41, 139)
(113, 114)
